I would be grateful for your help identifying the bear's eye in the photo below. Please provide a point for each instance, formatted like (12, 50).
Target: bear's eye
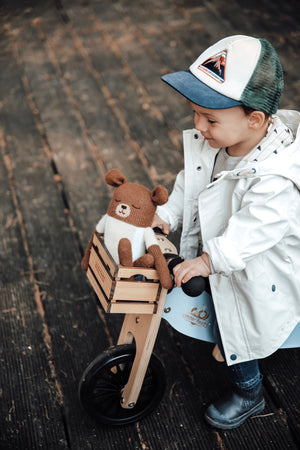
(136, 207)
(116, 200)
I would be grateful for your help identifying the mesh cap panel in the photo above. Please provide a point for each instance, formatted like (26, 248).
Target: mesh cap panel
(265, 86)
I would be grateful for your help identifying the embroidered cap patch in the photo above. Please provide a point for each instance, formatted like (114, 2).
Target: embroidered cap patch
(215, 66)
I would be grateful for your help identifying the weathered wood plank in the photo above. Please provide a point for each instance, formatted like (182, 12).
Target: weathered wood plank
(282, 381)
(30, 407)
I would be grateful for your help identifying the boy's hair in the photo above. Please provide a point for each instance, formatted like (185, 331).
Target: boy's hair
(248, 111)
(238, 70)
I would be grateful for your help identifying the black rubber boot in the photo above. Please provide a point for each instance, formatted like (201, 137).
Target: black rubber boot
(236, 407)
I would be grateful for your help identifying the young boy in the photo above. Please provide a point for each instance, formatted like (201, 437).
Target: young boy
(239, 206)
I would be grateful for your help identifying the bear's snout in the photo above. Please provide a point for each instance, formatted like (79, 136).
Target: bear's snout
(123, 210)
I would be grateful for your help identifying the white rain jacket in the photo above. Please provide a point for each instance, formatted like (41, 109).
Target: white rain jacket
(249, 223)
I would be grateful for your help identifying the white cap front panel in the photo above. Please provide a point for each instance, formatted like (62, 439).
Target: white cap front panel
(228, 65)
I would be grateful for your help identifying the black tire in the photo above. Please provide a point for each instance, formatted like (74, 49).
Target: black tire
(100, 388)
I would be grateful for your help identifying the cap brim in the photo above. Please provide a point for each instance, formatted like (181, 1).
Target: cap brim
(197, 92)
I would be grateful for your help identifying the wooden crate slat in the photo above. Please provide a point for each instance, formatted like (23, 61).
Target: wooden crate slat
(101, 273)
(127, 272)
(135, 291)
(103, 252)
(122, 307)
(133, 308)
(98, 291)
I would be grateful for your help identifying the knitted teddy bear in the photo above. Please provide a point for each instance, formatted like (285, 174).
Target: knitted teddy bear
(128, 234)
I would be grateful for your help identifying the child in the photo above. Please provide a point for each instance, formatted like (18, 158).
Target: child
(239, 206)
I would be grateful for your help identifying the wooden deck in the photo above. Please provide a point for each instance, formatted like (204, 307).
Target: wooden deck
(80, 93)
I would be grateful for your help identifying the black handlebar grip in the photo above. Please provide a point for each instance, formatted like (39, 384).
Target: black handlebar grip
(195, 286)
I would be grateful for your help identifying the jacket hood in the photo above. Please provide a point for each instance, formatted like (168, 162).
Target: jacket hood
(277, 154)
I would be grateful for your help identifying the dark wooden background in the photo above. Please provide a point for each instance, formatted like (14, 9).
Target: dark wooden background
(80, 93)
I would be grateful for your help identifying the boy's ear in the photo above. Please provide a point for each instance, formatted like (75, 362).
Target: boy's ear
(256, 119)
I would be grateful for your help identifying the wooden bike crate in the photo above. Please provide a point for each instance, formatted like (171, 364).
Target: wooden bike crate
(116, 290)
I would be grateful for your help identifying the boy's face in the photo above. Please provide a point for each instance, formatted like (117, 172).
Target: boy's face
(222, 127)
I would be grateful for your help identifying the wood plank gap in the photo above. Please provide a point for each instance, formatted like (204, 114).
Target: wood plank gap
(61, 11)
(144, 445)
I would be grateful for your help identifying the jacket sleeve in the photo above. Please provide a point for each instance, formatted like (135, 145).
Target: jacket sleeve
(172, 211)
(261, 222)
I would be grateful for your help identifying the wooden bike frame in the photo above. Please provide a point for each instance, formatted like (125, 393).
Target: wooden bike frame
(137, 293)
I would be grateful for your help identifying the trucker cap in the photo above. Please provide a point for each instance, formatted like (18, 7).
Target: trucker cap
(236, 70)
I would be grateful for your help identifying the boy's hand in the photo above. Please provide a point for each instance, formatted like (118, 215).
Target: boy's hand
(158, 222)
(186, 270)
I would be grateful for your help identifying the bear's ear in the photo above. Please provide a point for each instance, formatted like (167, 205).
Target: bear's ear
(159, 195)
(114, 178)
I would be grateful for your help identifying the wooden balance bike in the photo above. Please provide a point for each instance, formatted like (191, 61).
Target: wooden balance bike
(126, 382)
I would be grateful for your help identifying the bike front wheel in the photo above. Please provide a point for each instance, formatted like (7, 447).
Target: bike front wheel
(102, 383)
